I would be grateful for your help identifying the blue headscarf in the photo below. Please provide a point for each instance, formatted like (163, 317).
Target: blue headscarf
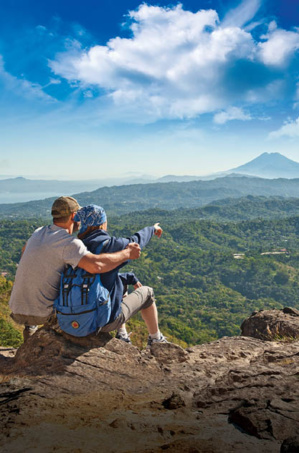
(91, 215)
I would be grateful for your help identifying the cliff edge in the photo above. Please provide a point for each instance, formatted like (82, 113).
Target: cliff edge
(61, 394)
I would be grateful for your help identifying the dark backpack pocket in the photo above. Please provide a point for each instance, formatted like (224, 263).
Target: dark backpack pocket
(78, 322)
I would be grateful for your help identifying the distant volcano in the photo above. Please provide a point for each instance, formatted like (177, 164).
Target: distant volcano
(269, 165)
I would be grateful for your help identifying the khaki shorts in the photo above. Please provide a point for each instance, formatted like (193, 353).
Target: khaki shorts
(139, 299)
(28, 320)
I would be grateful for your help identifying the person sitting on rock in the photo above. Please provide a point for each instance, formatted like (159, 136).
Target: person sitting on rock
(93, 233)
(47, 253)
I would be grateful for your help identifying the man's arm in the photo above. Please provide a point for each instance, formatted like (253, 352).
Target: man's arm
(106, 262)
(143, 236)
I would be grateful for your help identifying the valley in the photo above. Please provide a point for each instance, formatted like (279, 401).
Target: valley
(212, 267)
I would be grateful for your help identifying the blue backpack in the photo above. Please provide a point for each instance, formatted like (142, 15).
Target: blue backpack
(83, 305)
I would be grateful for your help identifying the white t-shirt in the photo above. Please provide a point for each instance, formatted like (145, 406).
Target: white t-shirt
(37, 281)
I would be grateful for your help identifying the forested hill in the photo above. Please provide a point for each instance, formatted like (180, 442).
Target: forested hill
(119, 200)
(227, 210)
(208, 275)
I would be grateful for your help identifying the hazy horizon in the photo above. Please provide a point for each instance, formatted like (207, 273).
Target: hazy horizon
(129, 176)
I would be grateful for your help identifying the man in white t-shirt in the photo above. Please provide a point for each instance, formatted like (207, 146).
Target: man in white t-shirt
(48, 251)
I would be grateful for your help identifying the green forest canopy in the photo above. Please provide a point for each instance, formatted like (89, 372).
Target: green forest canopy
(203, 290)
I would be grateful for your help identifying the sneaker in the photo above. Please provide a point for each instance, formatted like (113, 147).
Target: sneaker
(29, 331)
(151, 341)
(125, 338)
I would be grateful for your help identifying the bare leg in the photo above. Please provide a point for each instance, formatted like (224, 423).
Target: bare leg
(132, 304)
(150, 317)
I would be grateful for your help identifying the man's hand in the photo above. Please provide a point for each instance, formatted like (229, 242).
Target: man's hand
(134, 250)
(137, 285)
(158, 230)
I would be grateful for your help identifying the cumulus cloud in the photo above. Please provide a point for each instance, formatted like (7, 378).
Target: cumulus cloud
(232, 113)
(289, 129)
(278, 47)
(180, 64)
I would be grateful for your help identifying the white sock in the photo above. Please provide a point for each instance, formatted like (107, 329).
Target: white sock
(156, 335)
(122, 331)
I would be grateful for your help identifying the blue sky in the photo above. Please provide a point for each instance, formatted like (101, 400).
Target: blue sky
(103, 88)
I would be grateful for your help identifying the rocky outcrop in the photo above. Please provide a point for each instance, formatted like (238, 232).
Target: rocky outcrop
(100, 394)
(272, 324)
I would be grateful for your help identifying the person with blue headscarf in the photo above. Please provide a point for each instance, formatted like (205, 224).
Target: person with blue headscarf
(93, 232)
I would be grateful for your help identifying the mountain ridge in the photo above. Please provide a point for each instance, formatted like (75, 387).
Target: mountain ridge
(266, 166)
(118, 200)
(270, 165)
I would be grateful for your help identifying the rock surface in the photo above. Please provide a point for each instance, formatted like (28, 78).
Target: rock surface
(60, 394)
(272, 324)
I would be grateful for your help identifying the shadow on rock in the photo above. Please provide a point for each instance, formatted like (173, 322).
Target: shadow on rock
(49, 351)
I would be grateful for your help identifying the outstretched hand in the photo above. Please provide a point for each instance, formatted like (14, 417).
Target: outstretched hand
(158, 230)
(134, 250)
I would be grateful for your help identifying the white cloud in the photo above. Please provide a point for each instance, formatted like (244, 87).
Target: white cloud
(242, 14)
(289, 129)
(52, 82)
(232, 113)
(22, 87)
(41, 28)
(279, 46)
(169, 65)
(272, 26)
(175, 63)
(88, 94)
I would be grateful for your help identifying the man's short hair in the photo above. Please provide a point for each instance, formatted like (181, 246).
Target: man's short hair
(64, 206)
